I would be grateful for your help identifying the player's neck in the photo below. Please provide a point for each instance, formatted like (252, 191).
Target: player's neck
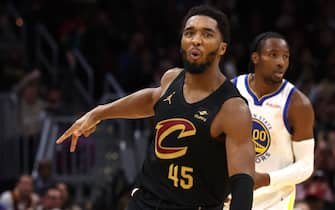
(260, 87)
(210, 79)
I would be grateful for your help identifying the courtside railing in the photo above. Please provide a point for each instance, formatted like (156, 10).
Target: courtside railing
(45, 43)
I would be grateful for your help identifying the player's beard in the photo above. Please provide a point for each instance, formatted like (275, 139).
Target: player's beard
(271, 80)
(274, 81)
(198, 68)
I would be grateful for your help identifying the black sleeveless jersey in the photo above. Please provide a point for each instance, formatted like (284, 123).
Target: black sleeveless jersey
(185, 165)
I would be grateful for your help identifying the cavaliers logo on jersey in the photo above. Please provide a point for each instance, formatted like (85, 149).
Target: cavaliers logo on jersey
(167, 127)
(260, 137)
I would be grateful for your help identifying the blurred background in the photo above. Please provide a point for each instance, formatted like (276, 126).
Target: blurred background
(60, 58)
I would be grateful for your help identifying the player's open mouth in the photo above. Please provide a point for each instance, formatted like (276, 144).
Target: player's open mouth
(195, 54)
(279, 74)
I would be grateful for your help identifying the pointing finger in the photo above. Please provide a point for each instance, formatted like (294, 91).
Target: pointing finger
(74, 143)
(66, 134)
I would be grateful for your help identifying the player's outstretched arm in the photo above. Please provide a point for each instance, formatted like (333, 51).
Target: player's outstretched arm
(236, 124)
(137, 105)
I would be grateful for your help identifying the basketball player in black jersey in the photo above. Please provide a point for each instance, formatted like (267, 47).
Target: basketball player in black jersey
(202, 149)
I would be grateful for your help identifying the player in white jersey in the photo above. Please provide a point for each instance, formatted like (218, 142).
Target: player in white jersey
(283, 121)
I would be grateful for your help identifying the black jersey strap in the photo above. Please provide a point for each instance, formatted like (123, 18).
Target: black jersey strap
(242, 191)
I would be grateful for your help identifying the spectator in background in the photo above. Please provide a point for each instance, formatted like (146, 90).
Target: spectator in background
(130, 63)
(22, 197)
(12, 69)
(319, 187)
(318, 193)
(44, 179)
(302, 205)
(51, 200)
(31, 114)
(32, 108)
(54, 98)
(66, 197)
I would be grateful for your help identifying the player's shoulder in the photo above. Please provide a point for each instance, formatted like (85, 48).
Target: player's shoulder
(235, 105)
(300, 106)
(234, 108)
(239, 78)
(300, 112)
(170, 75)
(234, 113)
(299, 99)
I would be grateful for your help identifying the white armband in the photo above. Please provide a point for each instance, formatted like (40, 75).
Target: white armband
(300, 170)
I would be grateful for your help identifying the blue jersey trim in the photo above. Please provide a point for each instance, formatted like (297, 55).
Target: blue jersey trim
(285, 112)
(234, 81)
(259, 102)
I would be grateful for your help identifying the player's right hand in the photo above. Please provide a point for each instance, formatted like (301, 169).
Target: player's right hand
(86, 125)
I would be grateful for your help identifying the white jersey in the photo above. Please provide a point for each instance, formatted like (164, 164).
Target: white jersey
(272, 139)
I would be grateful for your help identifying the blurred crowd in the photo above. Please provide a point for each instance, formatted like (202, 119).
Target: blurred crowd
(42, 192)
(137, 41)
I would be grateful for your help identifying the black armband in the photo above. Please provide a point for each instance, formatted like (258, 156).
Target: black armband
(242, 192)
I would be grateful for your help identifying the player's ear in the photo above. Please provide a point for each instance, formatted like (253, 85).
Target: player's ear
(222, 48)
(254, 57)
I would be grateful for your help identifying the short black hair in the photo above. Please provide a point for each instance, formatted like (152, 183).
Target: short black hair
(258, 43)
(220, 17)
